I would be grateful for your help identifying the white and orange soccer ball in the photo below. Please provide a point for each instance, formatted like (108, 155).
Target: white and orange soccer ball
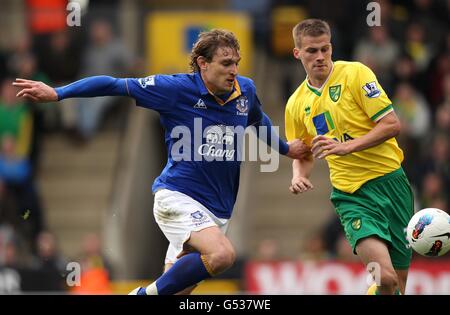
(428, 232)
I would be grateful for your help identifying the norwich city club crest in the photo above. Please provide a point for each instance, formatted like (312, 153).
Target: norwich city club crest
(335, 92)
(356, 224)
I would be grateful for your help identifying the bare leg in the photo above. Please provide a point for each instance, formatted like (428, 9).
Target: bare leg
(216, 255)
(402, 277)
(215, 248)
(374, 250)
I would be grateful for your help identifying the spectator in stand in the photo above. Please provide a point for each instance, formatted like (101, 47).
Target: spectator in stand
(432, 189)
(414, 115)
(105, 54)
(8, 204)
(15, 174)
(268, 250)
(417, 47)
(10, 254)
(432, 16)
(27, 68)
(21, 48)
(16, 130)
(50, 261)
(379, 52)
(405, 70)
(95, 268)
(61, 62)
(438, 78)
(443, 118)
(440, 203)
(15, 118)
(412, 110)
(314, 248)
(61, 59)
(437, 162)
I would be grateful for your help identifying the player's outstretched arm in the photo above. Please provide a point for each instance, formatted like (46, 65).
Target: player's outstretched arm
(35, 91)
(87, 87)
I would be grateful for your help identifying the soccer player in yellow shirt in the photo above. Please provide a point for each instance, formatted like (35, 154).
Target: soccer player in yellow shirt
(344, 114)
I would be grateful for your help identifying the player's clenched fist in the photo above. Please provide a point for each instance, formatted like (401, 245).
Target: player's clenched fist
(35, 91)
(298, 149)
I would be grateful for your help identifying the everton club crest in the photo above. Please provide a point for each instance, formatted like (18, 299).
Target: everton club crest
(242, 106)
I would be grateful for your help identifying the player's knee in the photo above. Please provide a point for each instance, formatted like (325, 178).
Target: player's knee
(222, 259)
(389, 280)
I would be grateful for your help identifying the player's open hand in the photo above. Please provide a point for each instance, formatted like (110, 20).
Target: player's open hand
(298, 149)
(323, 146)
(35, 91)
(300, 184)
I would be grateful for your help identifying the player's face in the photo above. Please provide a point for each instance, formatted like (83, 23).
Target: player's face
(220, 73)
(315, 55)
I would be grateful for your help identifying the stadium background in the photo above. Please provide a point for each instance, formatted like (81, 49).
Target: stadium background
(80, 191)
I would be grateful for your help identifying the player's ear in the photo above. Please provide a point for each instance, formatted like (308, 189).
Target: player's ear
(201, 62)
(296, 52)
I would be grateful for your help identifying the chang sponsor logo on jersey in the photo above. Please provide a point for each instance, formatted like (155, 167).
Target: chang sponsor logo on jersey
(225, 143)
(219, 139)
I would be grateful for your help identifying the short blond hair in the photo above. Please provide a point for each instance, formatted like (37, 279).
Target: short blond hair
(310, 27)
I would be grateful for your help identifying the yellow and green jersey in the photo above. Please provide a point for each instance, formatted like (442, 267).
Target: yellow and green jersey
(347, 106)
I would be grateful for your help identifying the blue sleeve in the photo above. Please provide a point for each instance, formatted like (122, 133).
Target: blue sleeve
(283, 147)
(93, 86)
(258, 118)
(158, 92)
(154, 92)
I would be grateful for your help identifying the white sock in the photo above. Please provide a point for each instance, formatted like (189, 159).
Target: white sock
(151, 289)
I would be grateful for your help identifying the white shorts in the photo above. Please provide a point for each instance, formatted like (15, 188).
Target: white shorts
(178, 215)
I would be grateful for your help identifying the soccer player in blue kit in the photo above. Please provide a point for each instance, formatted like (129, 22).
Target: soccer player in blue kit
(194, 197)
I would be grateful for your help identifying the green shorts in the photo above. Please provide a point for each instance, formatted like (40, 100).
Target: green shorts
(382, 207)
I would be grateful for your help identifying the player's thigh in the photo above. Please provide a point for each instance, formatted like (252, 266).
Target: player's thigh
(209, 241)
(373, 250)
(178, 215)
(399, 210)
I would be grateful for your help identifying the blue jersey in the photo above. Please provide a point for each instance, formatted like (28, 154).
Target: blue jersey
(211, 174)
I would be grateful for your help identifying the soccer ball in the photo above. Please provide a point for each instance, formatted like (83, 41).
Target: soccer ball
(428, 232)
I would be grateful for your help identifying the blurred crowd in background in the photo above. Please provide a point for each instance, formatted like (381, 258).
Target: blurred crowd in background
(409, 53)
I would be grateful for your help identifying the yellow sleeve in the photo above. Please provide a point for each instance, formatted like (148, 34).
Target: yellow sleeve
(370, 95)
(295, 128)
